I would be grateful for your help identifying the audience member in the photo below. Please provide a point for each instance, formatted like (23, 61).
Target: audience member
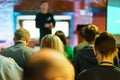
(105, 50)
(81, 39)
(68, 50)
(20, 52)
(48, 64)
(52, 41)
(85, 57)
(9, 70)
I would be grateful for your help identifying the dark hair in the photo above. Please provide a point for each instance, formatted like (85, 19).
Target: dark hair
(105, 43)
(81, 32)
(21, 34)
(43, 2)
(91, 32)
(62, 37)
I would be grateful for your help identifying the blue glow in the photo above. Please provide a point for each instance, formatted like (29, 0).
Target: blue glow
(113, 19)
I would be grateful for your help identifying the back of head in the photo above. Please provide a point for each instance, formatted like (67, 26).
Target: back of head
(61, 35)
(48, 64)
(91, 32)
(81, 30)
(105, 44)
(21, 34)
(52, 41)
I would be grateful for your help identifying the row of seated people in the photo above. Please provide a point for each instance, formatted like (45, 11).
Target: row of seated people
(84, 53)
(20, 52)
(34, 71)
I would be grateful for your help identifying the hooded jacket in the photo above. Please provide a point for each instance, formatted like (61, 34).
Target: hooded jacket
(84, 59)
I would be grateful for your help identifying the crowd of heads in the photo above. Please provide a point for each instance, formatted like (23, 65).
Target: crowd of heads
(51, 63)
(47, 65)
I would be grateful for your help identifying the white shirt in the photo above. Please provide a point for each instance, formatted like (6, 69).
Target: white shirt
(9, 70)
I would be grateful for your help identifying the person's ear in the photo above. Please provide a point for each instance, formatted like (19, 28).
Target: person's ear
(95, 51)
(116, 52)
(27, 41)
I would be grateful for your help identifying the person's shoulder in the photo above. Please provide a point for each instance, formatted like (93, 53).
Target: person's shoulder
(7, 50)
(81, 45)
(83, 75)
(2, 58)
(68, 47)
(91, 70)
(6, 60)
(9, 47)
(98, 70)
(38, 13)
(29, 49)
(49, 13)
(116, 69)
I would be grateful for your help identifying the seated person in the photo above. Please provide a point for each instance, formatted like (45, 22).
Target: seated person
(105, 50)
(52, 41)
(48, 64)
(20, 52)
(81, 39)
(9, 70)
(68, 50)
(85, 57)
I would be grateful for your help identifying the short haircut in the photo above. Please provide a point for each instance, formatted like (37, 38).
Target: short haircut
(80, 29)
(91, 32)
(105, 43)
(52, 41)
(61, 35)
(21, 34)
(42, 2)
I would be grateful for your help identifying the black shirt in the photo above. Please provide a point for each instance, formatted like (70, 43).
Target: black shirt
(41, 20)
(100, 73)
(85, 59)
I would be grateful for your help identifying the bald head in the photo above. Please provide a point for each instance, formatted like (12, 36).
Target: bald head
(48, 64)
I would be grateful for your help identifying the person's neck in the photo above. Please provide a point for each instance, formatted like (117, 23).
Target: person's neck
(91, 43)
(81, 40)
(44, 12)
(108, 61)
(21, 41)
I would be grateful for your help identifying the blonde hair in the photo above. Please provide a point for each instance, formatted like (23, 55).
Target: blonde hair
(52, 41)
(21, 34)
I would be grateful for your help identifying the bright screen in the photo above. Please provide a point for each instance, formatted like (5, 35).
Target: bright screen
(30, 26)
(63, 26)
(34, 32)
(113, 17)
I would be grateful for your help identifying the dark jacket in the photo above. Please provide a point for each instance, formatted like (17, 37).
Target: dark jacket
(84, 59)
(101, 72)
(41, 20)
(19, 52)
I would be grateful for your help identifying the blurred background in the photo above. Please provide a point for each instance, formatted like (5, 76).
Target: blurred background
(67, 13)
